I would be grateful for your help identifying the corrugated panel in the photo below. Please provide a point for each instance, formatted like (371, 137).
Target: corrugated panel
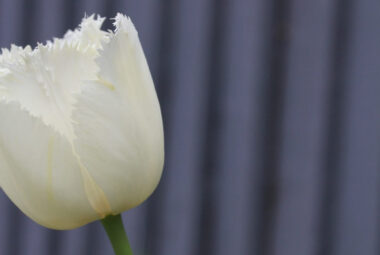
(357, 216)
(240, 109)
(181, 183)
(304, 132)
(272, 128)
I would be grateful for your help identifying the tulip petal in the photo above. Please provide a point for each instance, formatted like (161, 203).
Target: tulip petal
(44, 81)
(118, 125)
(39, 172)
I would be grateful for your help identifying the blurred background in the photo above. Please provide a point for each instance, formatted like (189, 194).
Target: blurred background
(271, 111)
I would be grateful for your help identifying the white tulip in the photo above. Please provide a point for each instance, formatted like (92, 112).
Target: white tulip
(81, 133)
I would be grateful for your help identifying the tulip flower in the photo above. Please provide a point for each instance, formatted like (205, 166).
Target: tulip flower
(81, 136)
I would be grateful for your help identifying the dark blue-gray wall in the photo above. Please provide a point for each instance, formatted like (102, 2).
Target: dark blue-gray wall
(271, 110)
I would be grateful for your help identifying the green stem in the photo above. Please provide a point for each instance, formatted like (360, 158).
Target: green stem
(116, 233)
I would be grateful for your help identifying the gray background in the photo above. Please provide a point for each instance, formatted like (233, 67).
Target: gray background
(271, 110)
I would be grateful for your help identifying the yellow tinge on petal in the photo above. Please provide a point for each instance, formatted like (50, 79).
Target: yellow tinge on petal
(95, 194)
(49, 167)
